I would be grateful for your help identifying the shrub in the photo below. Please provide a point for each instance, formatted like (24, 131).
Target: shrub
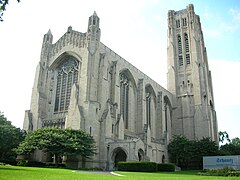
(22, 163)
(220, 172)
(10, 162)
(91, 169)
(31, 163)
(53, 165)
(137, 166)
(166, 167)
(35, 164)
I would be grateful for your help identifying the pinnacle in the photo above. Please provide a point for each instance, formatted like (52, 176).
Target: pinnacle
(49, 32)
(95, 14)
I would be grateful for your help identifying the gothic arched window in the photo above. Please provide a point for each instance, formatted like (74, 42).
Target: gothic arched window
(67, 75)
(148, 108)
(187, 48)
(180, 57)
(124, 98)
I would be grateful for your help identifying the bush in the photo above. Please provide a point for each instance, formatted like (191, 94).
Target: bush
(53, 165)
(91, 169)
(166, 167)
(137, 166)
(22, 163)
(220, 172)
(10, 162)
(35, 164)
(31, 163)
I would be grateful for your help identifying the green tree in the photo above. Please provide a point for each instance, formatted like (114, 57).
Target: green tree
(185, 152)
(3, 4)
(59, 142)
(223, 135)
(180, 149)
(236, 141)
(10, 137)
(203, 147)
(231, 148)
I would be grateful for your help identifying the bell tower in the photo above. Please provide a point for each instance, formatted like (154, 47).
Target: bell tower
(189, 77)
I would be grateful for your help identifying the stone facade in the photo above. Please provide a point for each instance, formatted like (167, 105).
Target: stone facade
(80, 83)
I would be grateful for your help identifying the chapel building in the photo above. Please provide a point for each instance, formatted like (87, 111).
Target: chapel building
(80, 83)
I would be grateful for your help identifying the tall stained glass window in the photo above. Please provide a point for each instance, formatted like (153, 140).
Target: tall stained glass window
(67, 75)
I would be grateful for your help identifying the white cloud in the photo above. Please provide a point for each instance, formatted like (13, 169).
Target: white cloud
(235, 14)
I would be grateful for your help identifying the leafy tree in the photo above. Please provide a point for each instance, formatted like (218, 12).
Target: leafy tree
(59, 142)
(231, 148)
(10, 137)
(236, 141)
(223, 135)
(184, 152)
(204, 147)
(180, 149)
(3, 4)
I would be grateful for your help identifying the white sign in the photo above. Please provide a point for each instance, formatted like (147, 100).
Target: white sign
(220, 162)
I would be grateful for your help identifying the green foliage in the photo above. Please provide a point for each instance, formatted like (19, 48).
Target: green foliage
(232, 148)
(10, 137)
(3, 4)
(181, 150)
(59, 142)
(31, 163)
(184, 151)
(223, 135)
(236, 141)
(137, 166)
(220, 172)
(166, 167)
(91, 169)
(22, 163)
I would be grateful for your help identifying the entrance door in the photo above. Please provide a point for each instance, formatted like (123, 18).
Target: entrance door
(120, 155)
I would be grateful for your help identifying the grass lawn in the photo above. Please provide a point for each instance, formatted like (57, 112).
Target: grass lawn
(26, 173)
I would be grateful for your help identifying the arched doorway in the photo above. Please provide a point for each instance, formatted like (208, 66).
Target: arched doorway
(140, 155)
(163, 159)
(119, 155)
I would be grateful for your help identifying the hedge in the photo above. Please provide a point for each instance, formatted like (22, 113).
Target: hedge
(137, 166)
(166, 167)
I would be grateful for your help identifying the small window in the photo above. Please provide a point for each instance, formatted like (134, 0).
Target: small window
(179, 45)
(184, 22)
(177, 23)
(180, 58)
(90, 131)
(186, 42)
(188, 58)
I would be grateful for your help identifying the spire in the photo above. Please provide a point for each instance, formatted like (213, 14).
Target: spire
(49, 32)
(94, 13)
(48, 37)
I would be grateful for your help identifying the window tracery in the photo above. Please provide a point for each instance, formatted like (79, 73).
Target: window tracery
(67, 75)
(148, 108)
(187, 48)
(180, 58)
(124, 98)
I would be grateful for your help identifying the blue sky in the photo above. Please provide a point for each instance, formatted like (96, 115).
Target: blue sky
(135, 29)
